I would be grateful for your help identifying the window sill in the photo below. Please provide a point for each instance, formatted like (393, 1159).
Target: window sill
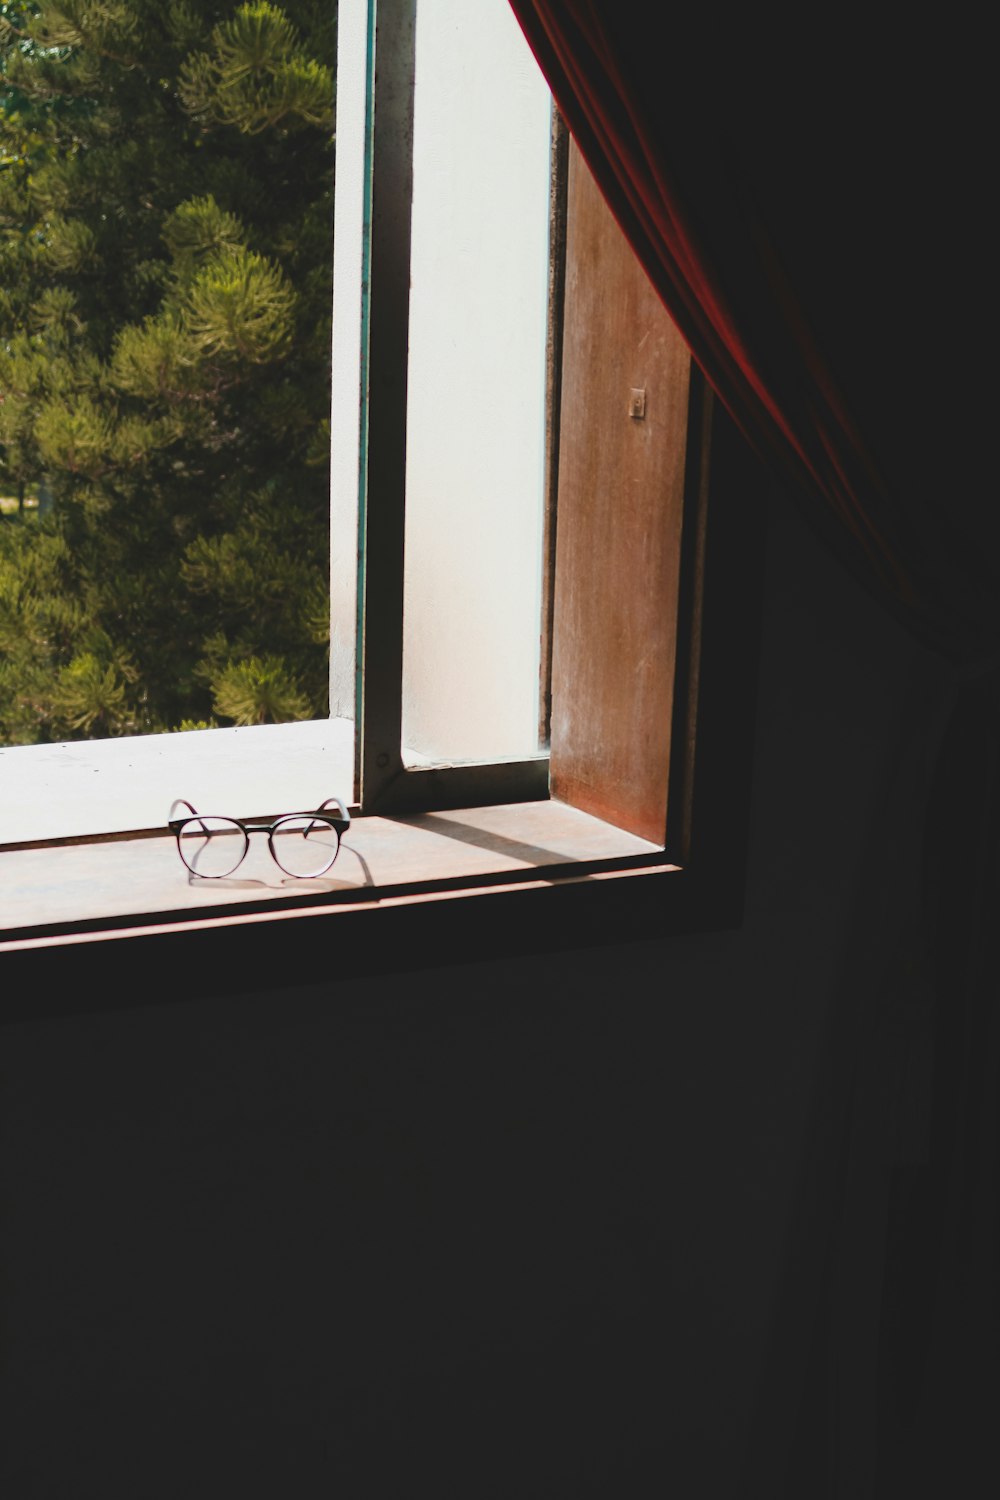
(118, 923)
(116, 883)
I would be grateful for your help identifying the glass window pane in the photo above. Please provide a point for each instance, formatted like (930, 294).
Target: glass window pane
(165, 266)
(476, 387)
(349, 291)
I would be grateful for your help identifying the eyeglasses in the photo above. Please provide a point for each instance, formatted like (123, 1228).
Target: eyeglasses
(302, 844)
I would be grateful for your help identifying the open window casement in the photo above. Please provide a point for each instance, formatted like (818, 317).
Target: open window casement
(535, 500)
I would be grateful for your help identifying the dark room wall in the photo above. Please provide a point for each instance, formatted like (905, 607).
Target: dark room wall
(538, 1229)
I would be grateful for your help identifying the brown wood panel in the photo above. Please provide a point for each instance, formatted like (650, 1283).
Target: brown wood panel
(623, 428)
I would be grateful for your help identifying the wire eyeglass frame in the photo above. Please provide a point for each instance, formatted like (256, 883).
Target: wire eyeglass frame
(338, 820)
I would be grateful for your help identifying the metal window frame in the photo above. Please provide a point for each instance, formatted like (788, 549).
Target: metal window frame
(384, 783)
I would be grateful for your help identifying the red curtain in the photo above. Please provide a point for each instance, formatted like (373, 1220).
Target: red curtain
(813, 207)
(809, 210)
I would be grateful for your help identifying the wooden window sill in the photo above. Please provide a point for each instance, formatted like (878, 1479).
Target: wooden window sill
(117, 883)
(118, 923)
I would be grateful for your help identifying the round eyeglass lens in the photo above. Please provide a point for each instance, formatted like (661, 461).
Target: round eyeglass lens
(211, 847)
(304, 845)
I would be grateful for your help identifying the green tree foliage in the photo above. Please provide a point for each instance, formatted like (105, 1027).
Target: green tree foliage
(166, 202)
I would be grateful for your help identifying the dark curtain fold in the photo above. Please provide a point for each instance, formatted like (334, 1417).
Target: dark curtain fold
(814, 209)
(811, 216)
(939, 1366)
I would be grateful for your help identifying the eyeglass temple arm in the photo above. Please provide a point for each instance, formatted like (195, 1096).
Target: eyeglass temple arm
(343, 819)
(174, 822)
(344, 815)
(341, 823)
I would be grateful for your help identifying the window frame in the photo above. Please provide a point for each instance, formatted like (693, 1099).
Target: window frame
(695, 883)
(384, 783)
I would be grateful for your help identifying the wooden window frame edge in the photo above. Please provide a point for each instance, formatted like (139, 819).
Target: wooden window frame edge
(241, 953)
